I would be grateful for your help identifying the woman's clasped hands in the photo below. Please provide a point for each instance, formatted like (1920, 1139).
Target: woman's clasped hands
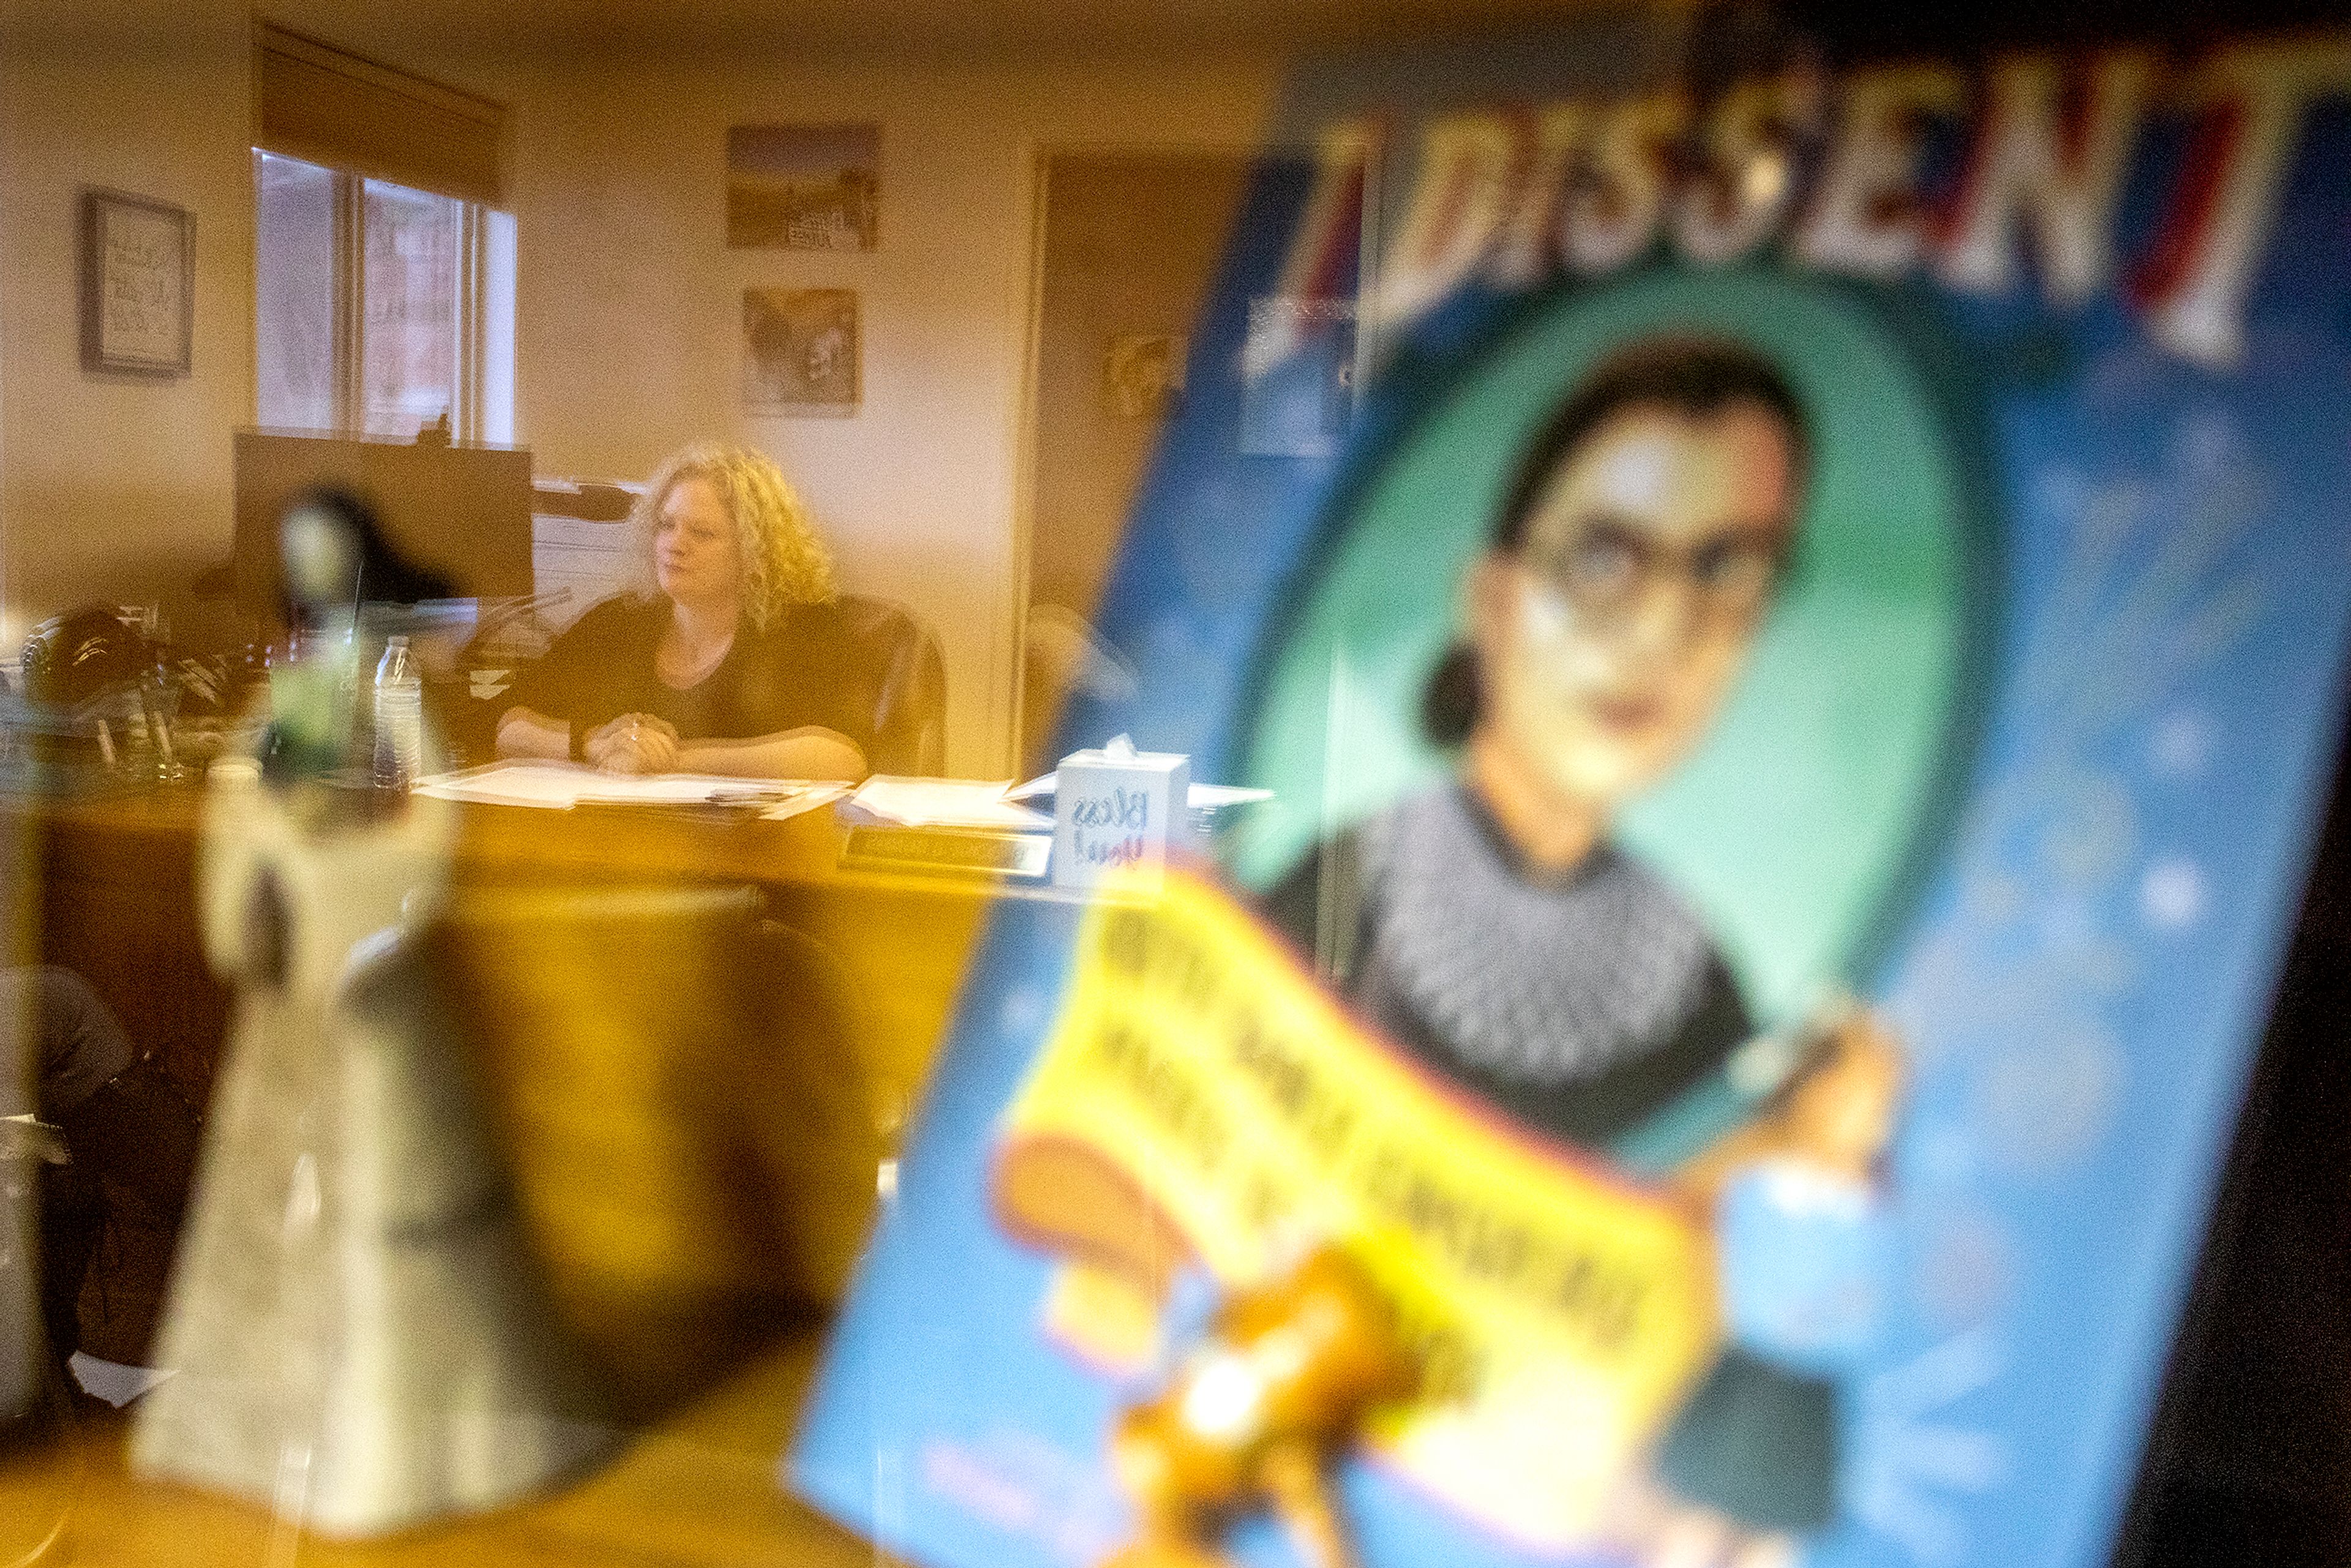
(632, 743)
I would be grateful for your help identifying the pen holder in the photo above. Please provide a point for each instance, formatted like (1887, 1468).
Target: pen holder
(1117, 810)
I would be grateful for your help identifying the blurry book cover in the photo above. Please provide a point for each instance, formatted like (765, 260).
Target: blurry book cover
(1296, 368)
(1796, 632)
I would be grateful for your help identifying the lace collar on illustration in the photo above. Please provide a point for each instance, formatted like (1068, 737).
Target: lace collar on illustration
(1539, 980)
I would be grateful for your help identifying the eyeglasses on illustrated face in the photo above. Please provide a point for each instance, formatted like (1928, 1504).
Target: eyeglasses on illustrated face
(1607, 570)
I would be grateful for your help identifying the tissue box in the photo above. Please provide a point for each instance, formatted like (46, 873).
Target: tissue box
(1118, 810)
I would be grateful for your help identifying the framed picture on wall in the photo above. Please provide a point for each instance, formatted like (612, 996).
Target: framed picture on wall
(802, 187)
(800, 351)
(1143, 374)
(137, 284)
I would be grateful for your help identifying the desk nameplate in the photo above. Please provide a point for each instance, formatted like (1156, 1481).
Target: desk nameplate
(956, 850)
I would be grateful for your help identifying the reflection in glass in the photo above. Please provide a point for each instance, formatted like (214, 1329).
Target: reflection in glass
(294, 286)
(408, 341)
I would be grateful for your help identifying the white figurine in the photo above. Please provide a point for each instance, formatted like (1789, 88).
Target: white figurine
(356, 1324)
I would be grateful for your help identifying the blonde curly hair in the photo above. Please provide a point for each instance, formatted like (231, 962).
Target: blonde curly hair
(781, 560)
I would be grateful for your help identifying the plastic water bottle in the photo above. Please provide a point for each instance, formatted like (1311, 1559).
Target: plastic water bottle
(399, 717)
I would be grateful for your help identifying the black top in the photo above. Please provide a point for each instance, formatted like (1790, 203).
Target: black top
(804, 669)
(1581, 1005)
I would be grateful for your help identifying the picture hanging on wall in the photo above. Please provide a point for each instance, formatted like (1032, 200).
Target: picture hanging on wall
(1143, 374)
(802, 187)
(800, 351)
(137, 284)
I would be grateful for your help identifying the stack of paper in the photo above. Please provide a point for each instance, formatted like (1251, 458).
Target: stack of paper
(945, 803)
(560, 786)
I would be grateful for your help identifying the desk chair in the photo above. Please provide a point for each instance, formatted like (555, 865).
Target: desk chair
(689, 1123)
(906, 675)
(21, 1339)
(895, 662)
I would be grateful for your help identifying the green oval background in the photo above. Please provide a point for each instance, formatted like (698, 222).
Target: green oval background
(1792, 825)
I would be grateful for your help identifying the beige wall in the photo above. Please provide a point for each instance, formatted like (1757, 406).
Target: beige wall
(628, 313)
(112, 485)
(628, 317)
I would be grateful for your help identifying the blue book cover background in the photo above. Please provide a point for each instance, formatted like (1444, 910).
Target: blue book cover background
(2028, 757)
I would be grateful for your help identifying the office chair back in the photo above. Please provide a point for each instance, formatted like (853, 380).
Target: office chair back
(906, 675)
(683, 1101)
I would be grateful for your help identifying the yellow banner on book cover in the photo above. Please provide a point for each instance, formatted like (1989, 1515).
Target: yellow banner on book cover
(1560, 1311)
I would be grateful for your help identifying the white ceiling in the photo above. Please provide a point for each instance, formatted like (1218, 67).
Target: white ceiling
(819, 28)
(929, 26)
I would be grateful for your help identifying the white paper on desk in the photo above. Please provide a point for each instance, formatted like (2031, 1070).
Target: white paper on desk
(666, 790)
(804, 797)
(1201, 797)
(547, 784)
(1217, 796)
(944, 803)
(560, 786)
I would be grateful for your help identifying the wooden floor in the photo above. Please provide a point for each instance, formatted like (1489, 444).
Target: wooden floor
(698, 1491)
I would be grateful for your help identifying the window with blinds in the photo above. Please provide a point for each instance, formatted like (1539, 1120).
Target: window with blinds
(384, 262)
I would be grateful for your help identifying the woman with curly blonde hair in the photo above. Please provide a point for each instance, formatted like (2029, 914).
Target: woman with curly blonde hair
(730, 656)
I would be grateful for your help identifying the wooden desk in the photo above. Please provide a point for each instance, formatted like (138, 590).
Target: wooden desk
(698, 1491)
(115, 901)
(113, 898)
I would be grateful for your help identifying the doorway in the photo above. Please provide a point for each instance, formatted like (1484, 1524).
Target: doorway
(1128, 246)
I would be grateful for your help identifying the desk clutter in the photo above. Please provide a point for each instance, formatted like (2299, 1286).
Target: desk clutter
(558, 786)
(101, 699)
(1111, 811)
(384, 699)
(1114, 815)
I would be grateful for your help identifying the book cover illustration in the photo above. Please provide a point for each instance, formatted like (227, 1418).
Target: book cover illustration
(1795, 630)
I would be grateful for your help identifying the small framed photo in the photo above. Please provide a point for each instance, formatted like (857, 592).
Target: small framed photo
(803, 187)
(801, 353)
(138, 285)
(1143, 374)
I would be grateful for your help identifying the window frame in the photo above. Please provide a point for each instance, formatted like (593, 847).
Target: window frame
(469, 415)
